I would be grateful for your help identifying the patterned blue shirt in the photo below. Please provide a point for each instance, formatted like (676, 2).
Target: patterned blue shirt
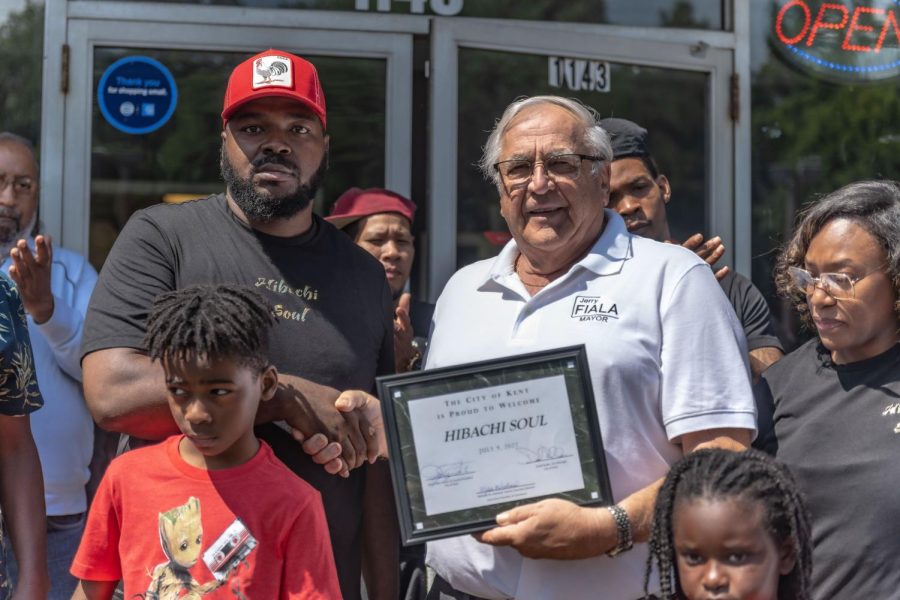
(19, 393)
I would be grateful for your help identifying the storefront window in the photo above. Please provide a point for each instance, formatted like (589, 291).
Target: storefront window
(814, 132)
(694, 14)
(21, 52)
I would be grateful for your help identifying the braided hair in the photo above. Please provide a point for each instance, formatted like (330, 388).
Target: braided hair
(753, 476)
(210, 321)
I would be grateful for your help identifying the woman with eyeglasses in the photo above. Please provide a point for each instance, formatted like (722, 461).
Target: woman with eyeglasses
(837, 397)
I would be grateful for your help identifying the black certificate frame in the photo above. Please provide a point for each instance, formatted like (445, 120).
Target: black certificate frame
(397, 391)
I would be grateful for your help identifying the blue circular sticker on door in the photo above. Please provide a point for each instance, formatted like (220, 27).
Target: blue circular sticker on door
(137, 94)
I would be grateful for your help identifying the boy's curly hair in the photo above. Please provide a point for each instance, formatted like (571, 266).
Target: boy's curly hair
(210, 321)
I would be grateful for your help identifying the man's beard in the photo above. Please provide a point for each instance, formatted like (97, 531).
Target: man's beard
(9, 235)
(263, 208)
(10, 224)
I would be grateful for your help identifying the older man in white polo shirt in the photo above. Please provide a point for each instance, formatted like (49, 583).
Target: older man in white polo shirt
(668, 364)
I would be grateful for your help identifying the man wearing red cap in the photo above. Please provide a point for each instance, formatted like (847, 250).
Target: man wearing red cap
(262, 232)
(380, 222)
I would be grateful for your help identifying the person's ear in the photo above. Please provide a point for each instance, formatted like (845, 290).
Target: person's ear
(663, 182)
(787, 557)
(268, 381)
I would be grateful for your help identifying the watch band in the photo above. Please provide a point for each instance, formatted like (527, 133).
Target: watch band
(415, 363)
(623, 530)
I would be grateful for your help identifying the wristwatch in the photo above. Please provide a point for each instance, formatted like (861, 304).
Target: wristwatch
(415, 363)
(418, 345)
(624, 541)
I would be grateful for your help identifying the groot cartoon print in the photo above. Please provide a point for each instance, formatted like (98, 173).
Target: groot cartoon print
(181, 536)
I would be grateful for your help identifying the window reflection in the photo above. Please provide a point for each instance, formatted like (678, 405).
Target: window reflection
(809, 137)
(21, 66)
(691, 14)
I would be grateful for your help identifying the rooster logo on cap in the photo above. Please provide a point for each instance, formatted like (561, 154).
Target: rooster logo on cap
(276, 68)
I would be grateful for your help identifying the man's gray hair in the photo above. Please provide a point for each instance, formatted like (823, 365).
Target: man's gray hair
(595, 138)
(7, 136)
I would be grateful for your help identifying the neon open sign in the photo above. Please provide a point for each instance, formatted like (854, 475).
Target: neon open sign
(847, 41)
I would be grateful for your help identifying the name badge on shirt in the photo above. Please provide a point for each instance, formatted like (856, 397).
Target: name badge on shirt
(594, 308)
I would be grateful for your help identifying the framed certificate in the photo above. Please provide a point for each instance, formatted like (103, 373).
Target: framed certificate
(471, 441)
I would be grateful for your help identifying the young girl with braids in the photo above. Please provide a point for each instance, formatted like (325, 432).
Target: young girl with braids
(210, 513)
(730, 525)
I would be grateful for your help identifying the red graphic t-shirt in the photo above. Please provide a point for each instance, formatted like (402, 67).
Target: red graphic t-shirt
(170, 530)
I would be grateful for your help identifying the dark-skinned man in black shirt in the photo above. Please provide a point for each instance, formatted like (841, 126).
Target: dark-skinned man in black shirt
(641, 194)
(327, 345)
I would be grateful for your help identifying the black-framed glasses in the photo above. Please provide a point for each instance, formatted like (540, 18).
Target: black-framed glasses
(20, 185)
(837, 285)
(559, 166)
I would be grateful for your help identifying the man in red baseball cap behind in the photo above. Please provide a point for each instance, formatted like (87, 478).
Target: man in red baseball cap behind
(380, 222)
(327, 346)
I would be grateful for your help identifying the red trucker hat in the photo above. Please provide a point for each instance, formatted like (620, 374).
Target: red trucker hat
(355, 204)
(274, 73)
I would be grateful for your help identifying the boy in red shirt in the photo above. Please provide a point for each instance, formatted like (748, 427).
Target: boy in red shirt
(210, 513)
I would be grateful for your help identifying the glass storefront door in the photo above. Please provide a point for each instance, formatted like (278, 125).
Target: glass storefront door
(675, 87)
(110, 173)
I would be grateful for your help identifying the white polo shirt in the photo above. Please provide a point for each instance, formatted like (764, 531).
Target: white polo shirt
(667, 357)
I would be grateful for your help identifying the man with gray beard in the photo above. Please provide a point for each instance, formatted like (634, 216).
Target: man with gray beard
(327, 346)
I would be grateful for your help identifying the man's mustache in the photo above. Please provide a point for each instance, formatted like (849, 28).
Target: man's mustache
(7, 212)
(273, 159)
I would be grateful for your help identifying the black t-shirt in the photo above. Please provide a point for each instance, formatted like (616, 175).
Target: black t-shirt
(837, 427)
(331, 326)
(752, 311)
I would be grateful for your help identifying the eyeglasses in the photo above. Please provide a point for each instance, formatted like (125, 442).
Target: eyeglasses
(837, 285)
(560, 166)
(20, 185)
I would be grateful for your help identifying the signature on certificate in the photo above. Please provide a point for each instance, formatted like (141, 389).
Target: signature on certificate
(499, 487)
(542, 454)
(447, 471)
